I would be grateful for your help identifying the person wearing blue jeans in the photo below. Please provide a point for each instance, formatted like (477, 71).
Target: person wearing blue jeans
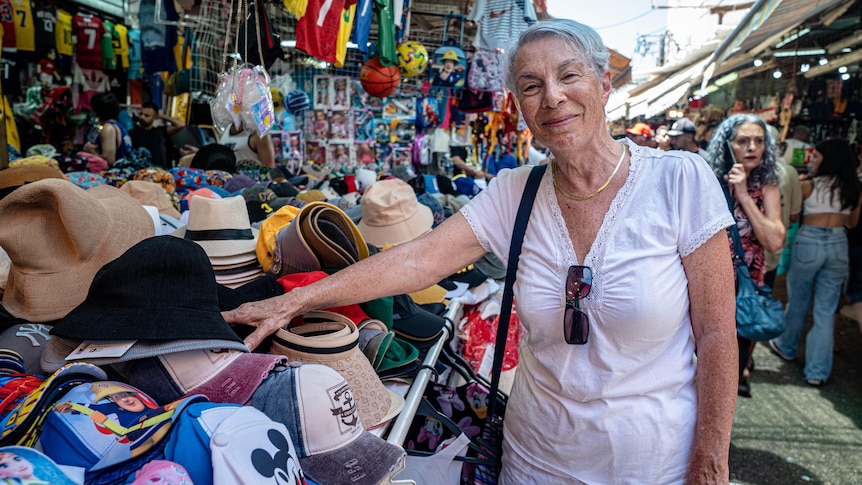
(818, 265)
(819, 260)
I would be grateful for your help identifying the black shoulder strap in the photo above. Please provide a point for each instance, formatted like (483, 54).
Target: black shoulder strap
(521, 221)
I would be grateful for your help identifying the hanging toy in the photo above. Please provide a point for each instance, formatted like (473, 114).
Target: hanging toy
(297, 103)
(412, 58)
(378, 80)
(255, 99)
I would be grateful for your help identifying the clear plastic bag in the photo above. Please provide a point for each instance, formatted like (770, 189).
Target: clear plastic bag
(243, 98)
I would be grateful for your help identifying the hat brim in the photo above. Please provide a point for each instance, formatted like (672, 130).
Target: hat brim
(96, 321)
(419, 224)
(54, 355)
(377, 457)
(172, 376)
(678, 133)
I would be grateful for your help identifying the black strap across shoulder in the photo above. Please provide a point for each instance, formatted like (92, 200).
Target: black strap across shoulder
(521, 221)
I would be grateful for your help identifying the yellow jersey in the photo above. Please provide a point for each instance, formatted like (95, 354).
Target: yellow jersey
(121, 45)
(63, 31)
(25, 30)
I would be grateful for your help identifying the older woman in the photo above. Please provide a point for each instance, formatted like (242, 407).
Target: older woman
(743, 152)
(632, 404)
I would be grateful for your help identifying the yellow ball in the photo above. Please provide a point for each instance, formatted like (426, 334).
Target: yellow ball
(277, 99)
(412, 58)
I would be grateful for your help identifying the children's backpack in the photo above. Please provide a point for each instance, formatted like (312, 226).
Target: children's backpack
(486, 70)
(443, 74)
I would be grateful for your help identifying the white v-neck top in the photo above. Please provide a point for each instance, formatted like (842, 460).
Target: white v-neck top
(622, 408)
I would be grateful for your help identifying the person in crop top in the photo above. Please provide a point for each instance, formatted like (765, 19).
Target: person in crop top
(819, 260)
(248, 145)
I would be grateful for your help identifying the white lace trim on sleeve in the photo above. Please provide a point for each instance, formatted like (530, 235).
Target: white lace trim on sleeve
(468, 214)
(709, 229)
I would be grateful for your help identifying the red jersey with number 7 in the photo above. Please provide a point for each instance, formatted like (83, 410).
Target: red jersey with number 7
(7, 18)
(317, 30)
(87, 31)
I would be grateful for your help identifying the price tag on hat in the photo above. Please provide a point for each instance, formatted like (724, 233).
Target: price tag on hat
(99, 349)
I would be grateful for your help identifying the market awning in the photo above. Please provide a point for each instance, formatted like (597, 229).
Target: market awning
(658, 98)
(764, 24)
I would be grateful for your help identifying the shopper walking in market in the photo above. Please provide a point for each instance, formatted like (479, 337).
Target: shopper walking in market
(819, 259)
(744, 155)
(631, 404)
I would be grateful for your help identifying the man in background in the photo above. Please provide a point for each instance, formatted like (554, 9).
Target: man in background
(641, 134)
(795, 147)
(682, 137)
(155, 137)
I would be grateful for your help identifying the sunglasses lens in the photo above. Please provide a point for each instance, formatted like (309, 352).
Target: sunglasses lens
(576, 326)
(579, 282)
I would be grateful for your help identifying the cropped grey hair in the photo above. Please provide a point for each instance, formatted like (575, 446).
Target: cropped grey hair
(577, 35)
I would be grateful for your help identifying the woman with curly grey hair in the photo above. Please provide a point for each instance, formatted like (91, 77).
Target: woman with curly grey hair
(743, 154)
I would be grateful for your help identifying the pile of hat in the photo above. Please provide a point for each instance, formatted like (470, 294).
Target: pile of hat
(223, 229)
(148, 309)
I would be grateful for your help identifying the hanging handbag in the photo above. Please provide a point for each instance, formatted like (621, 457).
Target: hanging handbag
(759, 316)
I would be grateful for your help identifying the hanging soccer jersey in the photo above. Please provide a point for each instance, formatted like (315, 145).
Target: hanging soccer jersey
(362, 24)
(347, 16)
(121, 45)
(25, 34)
(135, 67)
(63, 33)
(45, 18)
(501, 21)
(87, 31)
(7, 18)
(317, 30)
(386, 33)
(107, 42)
(10, 73)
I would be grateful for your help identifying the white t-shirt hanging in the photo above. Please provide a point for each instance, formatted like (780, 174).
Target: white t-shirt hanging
(501, 21)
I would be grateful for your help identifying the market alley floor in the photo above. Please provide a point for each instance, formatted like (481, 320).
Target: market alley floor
(790, 432)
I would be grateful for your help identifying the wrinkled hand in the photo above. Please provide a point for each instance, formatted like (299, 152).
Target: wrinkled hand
(267, 316)
(737, 181)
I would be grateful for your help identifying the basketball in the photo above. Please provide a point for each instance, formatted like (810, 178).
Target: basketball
(378, 80)
(412, 58)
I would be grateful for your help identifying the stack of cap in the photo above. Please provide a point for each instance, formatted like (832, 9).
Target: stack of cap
(160, 296)
(22, 425)
(22, 464)
(316, 405)
(222, 227)
(333, 340)
(108, 428)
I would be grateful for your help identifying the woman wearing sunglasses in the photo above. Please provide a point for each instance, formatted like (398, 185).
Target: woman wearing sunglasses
(743, 154)
(624, 272)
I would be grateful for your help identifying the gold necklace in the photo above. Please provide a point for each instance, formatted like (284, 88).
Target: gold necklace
(597, 192)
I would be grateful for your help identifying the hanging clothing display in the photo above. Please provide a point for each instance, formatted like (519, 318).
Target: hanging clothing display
(501, 21)
(317, 30)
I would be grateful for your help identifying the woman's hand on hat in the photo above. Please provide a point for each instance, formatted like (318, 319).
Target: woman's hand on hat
(266, 316)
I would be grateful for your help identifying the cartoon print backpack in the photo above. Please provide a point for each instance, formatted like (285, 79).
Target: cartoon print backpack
(486, 70)
(449, 63)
